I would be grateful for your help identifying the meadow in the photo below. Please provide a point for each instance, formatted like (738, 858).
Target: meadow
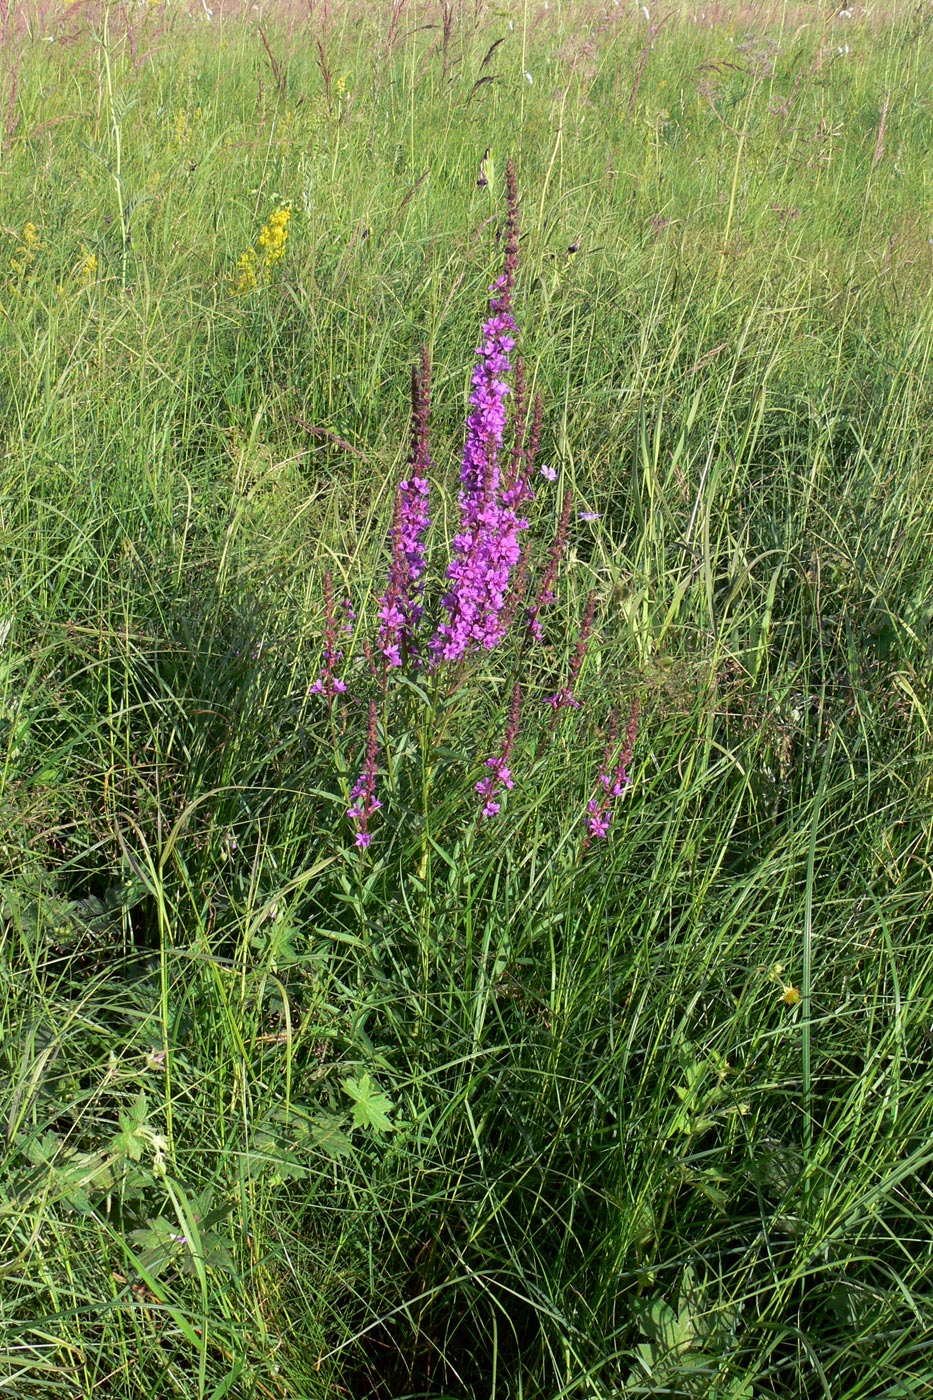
(471, 938)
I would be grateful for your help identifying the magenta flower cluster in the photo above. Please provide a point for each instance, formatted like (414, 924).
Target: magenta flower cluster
(613, 780)
(400, 607)
(487, 547)
(501, 774)
(363, 793)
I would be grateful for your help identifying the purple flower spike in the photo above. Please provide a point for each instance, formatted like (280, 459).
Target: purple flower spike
(365, 802)
(613, 779)
(486, 547)
(327, 683)
(489, 787)
(400, 607)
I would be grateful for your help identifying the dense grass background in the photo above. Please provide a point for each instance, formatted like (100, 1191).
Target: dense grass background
(486, 1112)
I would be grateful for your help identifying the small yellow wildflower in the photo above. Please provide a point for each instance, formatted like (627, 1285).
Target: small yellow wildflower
(274, 236)
(246, 279)
(87, 270)
(25, 255)
(255, 265)
(790, 995)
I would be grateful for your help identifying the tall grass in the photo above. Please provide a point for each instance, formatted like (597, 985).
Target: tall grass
(484, 1110)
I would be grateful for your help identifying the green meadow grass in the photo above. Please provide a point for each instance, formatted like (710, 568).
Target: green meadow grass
(487, 1111)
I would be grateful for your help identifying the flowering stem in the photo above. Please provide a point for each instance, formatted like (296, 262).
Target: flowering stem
(565, 698)
(613, 779)
(486, 548)
(501, 775)
(363, 793)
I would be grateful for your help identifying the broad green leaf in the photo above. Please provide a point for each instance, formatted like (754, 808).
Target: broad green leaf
(371, 1108)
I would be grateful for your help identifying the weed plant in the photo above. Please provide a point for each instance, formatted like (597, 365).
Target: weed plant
(622, 1088)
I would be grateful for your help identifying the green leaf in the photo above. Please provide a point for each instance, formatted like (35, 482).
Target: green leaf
(159, 1242)
(327, 1134)
(371, 1108)
(41, 1151)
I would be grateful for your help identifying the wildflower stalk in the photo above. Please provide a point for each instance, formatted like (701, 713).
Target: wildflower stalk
(501, 775)
(564, 697)
(613, 779)
(327, 684)
(364, 801)
(486, 548)
(116, 172)
(546, 594)
(400, 607)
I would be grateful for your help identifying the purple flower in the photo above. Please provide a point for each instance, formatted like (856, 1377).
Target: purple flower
(563, 699)
(486, 547)
(589, 515)
(598, 820)
(400, 607)
(489, 786)
(327, 683)
(549, 473)
(365, 802)
(613, 779)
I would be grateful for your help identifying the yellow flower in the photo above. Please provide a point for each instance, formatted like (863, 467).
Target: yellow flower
(87, 270)
(274, 236)
(255, 264)
(246, 279)
(25, 256)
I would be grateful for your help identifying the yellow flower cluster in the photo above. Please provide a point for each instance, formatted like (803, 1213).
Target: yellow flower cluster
(254, 265)
(26, 253)
(246, 279)
(87, 269)
(274, 236)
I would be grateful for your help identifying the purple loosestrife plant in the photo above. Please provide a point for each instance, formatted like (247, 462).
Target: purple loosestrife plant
(613, 779)
(501, 775)
(490, 589)
(486, 547)
(400, 607)
(363, 792)
(327, 683)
